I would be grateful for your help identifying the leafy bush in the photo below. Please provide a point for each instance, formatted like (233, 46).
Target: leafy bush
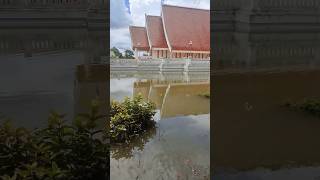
(73, 151)
(59, 151)
(130, 118)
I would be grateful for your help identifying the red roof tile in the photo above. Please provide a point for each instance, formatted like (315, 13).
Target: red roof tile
(139, 39)
(155, 32)
(187, 28)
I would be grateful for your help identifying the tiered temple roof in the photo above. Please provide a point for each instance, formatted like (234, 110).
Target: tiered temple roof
(155, 32)
(139, 38)
(177, 30)
(187, 29)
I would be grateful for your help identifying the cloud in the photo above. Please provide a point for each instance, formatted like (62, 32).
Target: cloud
(141, 7)
(119, 16)
(120, 38)
(153, 7)
(203, 4)
(120, 20)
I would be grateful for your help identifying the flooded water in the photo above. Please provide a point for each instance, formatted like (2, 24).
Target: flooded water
(254, 136)
(179, 147)
(43, 70)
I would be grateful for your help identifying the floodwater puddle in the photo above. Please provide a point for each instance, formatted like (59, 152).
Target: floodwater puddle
(179, 147)
(254, 136)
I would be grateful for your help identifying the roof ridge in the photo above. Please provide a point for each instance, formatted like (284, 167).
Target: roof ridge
(185, 7)
(137, 26)
(153, 15)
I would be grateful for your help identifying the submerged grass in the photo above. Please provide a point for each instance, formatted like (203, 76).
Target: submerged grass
(308, 105)
(206, 95)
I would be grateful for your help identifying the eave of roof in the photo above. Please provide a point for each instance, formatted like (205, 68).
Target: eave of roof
(186, 29)
(155, 32)
(139, 39)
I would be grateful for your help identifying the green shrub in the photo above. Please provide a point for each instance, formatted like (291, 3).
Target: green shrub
(130, 118)
(59, 151)
(75, 151)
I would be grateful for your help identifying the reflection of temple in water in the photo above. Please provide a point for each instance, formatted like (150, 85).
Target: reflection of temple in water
(175, 98)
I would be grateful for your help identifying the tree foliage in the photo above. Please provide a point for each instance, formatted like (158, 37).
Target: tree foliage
(129, 54)
(116, 52)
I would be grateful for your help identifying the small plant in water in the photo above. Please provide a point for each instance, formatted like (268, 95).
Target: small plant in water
(311, 106)
(130, 118)
(206, 95)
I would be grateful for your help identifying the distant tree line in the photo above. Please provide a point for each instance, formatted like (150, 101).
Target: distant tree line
(115, 53)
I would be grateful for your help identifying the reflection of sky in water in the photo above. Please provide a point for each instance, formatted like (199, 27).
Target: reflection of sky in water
(304, 173)
(181, 143)
(194, 127)
(120, 88)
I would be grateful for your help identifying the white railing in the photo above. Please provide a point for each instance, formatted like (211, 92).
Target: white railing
(160, 77)
(144, 57)
(199, 66)
(123, 62)
(176, 65)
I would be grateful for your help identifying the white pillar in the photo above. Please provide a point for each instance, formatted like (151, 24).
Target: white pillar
(136, 53)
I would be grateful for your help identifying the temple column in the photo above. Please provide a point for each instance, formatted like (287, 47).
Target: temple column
(136, 53)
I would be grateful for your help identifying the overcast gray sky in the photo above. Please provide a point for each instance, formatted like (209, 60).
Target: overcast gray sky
(132, 12)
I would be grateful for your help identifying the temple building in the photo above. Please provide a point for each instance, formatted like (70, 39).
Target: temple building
(179, 32)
